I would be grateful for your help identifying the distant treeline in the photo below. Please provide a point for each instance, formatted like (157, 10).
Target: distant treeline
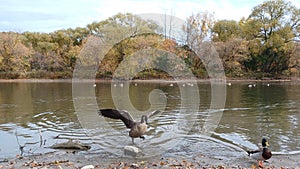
(265, 44)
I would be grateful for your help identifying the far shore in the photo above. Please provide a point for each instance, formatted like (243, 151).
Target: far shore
(295, 80)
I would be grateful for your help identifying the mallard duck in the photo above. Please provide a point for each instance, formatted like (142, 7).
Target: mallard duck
(137, 129)
(261, 154)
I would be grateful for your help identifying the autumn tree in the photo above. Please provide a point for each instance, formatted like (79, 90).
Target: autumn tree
(14, 56)
(140, 47)
(127, 47)
(196, 36)
(294, 62)
(233, 53)
(55, 51)
(197, 29)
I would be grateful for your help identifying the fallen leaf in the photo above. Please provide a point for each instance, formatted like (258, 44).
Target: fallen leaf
(154, 164)
(70, 164)
(162, 163)
(221, 167)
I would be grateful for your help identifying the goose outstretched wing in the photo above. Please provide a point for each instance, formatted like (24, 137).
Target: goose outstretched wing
(118, 114)
(153, 113)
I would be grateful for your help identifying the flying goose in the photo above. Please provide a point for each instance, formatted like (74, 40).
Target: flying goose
(262, 154)
(137, 129)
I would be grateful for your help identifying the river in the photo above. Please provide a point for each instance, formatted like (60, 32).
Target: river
(36, 115)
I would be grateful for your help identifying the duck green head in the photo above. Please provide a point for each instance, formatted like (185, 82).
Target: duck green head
(264, 142)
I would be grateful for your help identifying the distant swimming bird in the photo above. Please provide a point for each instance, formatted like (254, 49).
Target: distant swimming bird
(190, 84)
(137, 129)
(261, 154)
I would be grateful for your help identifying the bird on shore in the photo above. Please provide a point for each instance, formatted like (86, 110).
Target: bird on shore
(137, 128)
(261, 154)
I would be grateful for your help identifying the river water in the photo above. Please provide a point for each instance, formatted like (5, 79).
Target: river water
(36, 115)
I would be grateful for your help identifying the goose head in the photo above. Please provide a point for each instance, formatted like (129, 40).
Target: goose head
(144, 119)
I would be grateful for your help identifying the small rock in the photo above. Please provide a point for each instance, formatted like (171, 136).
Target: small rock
(71, 145)
(131, 151)
(134, 165)
(88, 167)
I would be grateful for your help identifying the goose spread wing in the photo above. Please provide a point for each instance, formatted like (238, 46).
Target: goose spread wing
(118, 114)
(153, 113)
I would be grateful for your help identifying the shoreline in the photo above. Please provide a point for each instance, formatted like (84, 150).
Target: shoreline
(71, 160)
(296, 80)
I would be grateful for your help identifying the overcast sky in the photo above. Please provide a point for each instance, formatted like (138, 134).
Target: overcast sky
(51, 15)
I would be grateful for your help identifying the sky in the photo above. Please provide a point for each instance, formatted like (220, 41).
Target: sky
(51, 15)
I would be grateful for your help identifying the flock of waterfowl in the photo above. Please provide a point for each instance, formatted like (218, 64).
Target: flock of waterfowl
(249, 85)
(189, 84)
(139, 128)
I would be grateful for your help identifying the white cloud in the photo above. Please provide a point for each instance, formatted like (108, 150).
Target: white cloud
(223, 9)
(79, 13)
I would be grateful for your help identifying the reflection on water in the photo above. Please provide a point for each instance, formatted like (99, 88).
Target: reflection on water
(30, 111)
(273, 112)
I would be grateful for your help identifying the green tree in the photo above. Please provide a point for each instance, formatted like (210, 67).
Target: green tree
(77, 35)
(121, 26)
(48, 50)
(271, 29)
(225, 30)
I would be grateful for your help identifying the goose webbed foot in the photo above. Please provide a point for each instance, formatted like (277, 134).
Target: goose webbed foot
(142, 137)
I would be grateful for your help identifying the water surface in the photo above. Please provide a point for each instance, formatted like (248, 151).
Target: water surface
(31, 112)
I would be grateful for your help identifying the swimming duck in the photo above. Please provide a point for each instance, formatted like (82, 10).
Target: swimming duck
(137, 129)
(262, 154)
